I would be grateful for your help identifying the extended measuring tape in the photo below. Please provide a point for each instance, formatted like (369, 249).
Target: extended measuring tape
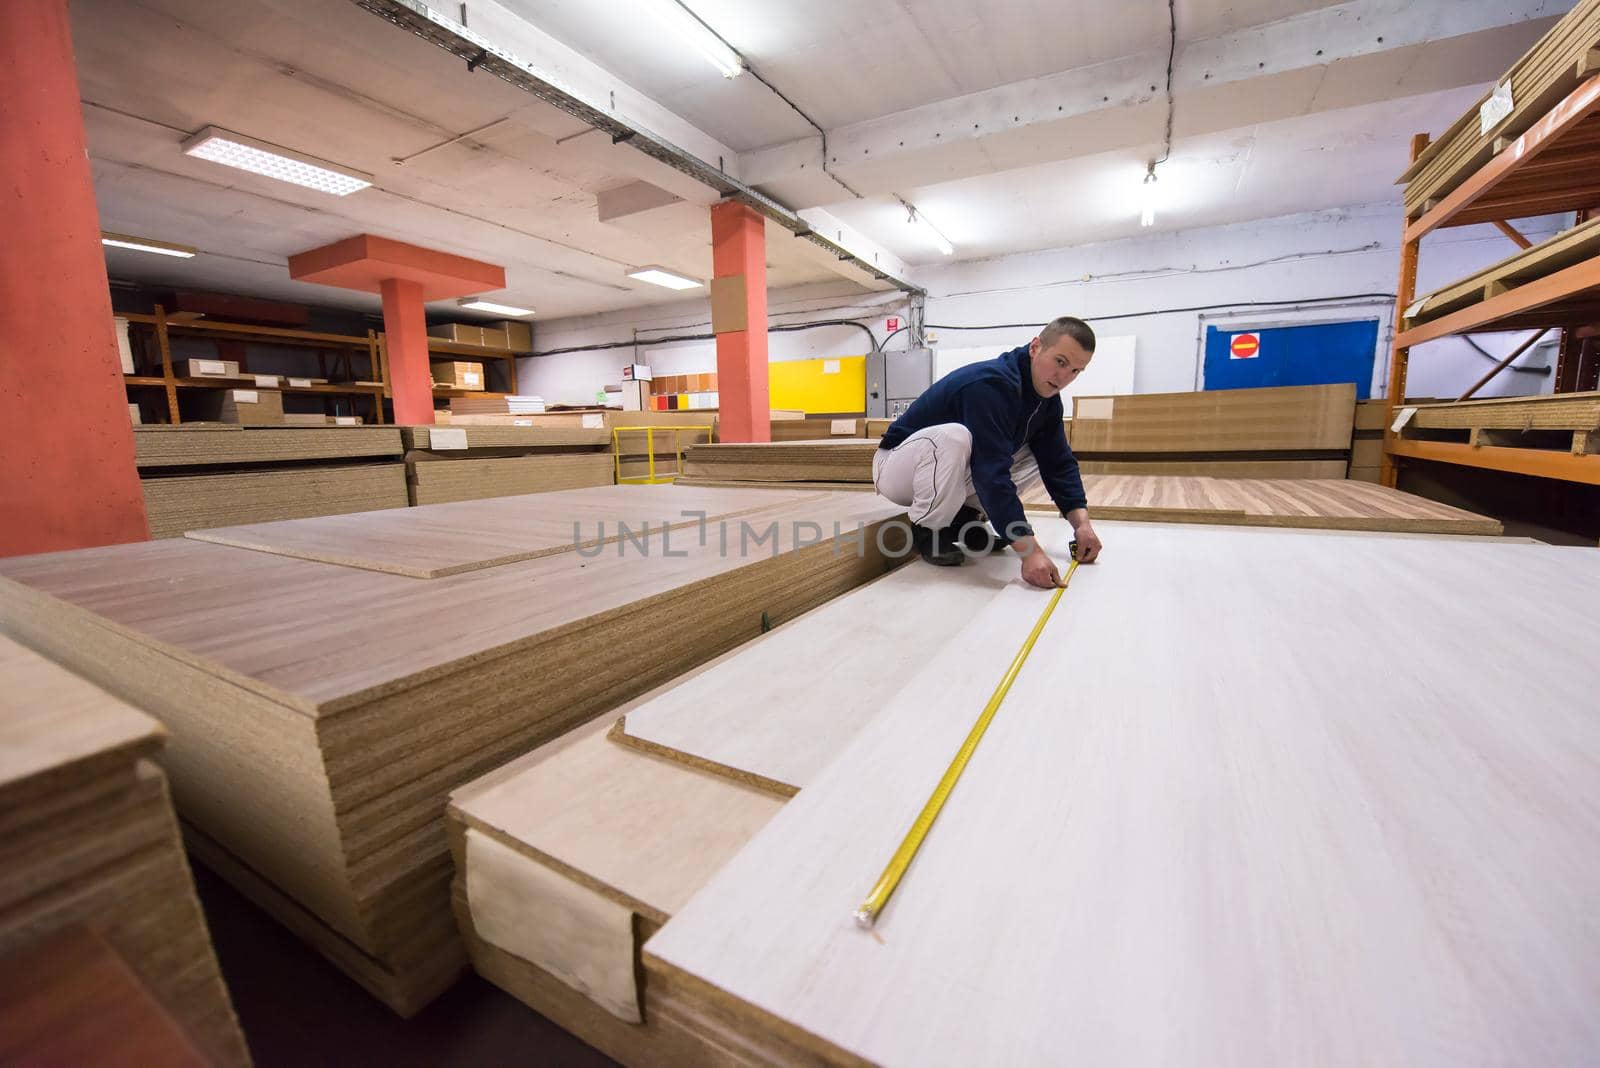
(867, 914)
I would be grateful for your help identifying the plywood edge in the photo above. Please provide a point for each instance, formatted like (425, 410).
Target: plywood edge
(741, 1015)
(620, 736)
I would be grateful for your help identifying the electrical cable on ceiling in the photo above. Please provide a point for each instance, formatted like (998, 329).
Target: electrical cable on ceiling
(781, 95)
(1172, 51)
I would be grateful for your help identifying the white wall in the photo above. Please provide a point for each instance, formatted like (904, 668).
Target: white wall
(1333, 265)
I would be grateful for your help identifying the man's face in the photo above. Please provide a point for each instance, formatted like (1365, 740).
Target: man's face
(1055, 368)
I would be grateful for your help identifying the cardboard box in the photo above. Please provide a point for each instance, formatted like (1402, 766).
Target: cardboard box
(495, 337)
(1366, 452)
(306, 419)
(208, 369)
(244, 406)
(519, 334)
(460, 333)
(458, 374)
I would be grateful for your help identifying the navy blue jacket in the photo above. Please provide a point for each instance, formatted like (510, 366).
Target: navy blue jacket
(995, 399)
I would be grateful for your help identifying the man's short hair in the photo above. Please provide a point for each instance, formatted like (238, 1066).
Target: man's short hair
(1076, 329)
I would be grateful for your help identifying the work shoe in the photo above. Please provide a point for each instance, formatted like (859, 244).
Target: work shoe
(973, 533)
(936, 546)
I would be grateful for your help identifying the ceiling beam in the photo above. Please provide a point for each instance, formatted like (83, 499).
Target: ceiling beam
(1359, 52)
(503, 44)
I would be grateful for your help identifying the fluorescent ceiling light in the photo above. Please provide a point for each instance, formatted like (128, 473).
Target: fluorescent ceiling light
(260, 157)
(1147, 198)
(919, 220)
(660, 276)
(144, 244)
(474, 304)
(698, 36)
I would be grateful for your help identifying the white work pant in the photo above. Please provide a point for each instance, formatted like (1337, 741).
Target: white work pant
(930, 473)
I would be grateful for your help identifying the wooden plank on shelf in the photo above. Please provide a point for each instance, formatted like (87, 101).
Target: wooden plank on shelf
(1218, 468)
(1556, 253)
(1150, 839)
(1567, 411)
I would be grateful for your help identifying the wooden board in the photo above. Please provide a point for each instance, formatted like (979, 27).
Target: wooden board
(1563, 250)
(1218, 468)
(178, 503)
(304, 698)
(856, 652)
(214, 443)
(1280, 418)
(1569, 411)
(1323, 503)
(1169, 836)
(498, 437)
(87, 836)
(832, 460)
(448, 539)
(436, 480)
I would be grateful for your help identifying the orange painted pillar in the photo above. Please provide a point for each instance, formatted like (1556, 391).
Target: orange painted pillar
(739, 319)
(406, 333)
(68, 480)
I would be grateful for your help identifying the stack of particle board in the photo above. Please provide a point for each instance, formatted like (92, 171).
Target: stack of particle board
(90, 839)
(1146, 836)
(259, 407)
(1545, 74)
(1366, 443)
(1557, 253)
(208, 475)
(838, 460)
(818, 429)
(1327, 504)
(617, 842)
(1565, 421)
(1274, 432)
(327, 681)
(451, 463)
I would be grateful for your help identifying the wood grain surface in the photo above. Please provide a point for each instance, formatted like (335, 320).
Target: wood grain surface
(1222, 818)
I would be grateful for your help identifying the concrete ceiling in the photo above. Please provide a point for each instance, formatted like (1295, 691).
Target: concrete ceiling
(1013, 124)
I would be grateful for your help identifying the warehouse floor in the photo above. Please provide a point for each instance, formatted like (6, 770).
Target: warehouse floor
(298, 1010)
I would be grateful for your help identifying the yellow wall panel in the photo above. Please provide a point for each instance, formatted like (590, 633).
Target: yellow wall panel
(836, 385)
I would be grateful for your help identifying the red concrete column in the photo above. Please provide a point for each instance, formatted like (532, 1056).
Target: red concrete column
(739, 319)
(68, 479)
(406, 334)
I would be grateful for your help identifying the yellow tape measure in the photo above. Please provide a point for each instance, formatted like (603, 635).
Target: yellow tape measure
(867, 914)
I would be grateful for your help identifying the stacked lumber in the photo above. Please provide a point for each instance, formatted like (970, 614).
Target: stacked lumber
(1326, 504)
(1144, 826)
(1567, 422)
(90, 840)
(197, 475)
(473, 462)
(817, 429)
(1564, 250)
(302, 678)
(1366, 442)
(182, 502)
(1273, 432)
(1545, 74)
(834, 460)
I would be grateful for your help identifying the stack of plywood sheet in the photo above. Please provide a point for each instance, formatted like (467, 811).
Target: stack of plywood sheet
(1568, 422)
(1538, 81)
(1276, 432)
(90, 839)
(207, 475)
(571, 859)
(817, 429)
(1557, 253)
(1327, 504)
(1366, 443)
(836, 460)
(328, 681)
(1143, 821)
(461, 463)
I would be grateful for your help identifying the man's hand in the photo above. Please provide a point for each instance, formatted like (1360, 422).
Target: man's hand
(1083, 533)
(1037, 567)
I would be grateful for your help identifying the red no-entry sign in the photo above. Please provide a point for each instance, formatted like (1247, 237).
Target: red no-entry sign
(1244, 347)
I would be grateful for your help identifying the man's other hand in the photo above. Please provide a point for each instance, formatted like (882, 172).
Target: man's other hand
(1039, 570)
(1088, 542)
